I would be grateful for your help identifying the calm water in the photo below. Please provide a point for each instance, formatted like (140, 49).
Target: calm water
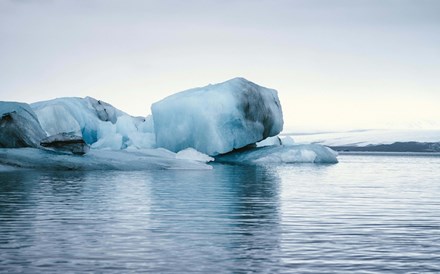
(366, 214)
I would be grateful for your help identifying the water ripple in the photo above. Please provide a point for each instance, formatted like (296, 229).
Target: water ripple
(367, 214)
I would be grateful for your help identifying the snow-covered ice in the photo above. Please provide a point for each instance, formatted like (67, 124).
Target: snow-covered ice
(217, 118)
(305, 153)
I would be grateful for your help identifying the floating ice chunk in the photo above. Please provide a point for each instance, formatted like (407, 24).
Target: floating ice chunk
(192, 154)
(217, 118)
(281, 154)
(95, 160)
(19, 126)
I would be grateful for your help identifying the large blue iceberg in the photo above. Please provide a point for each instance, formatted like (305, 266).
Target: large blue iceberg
(224, 120)
(217, 118)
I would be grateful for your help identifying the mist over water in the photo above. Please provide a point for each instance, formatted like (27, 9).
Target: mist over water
(367, 213)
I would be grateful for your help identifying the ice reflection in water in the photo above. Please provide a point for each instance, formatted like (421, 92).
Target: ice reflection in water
(366, 213)
(158, 221)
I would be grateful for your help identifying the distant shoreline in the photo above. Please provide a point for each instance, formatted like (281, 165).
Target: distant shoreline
(397, 147)
(389, 153)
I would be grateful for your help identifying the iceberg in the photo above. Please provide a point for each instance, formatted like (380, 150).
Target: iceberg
(236, 121)
(298, 153)
(98, 123)
(19, 126)
(217, 118)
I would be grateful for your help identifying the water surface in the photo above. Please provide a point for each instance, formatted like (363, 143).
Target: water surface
(365, 214)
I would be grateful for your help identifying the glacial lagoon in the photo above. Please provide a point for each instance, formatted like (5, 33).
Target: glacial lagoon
(368, 213)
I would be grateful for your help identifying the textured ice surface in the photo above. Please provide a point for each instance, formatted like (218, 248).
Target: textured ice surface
(192, 154)
(19, 126)
(140, 159)
(127, 132)
(97, 122)
(311, 153)
(195, 123)
(81, 116)
(217, 118)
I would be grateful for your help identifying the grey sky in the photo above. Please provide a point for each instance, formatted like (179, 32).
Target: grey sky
(336, 64)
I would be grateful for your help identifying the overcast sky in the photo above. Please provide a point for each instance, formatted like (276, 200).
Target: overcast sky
(336, 64)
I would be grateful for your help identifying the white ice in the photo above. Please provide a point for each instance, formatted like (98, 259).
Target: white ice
(183, 132)
(192, 154)
(140, 159)
(217, 118)
(99, 123)
(127, 132)
(270, 141)
(73, 115)
(305, 153)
